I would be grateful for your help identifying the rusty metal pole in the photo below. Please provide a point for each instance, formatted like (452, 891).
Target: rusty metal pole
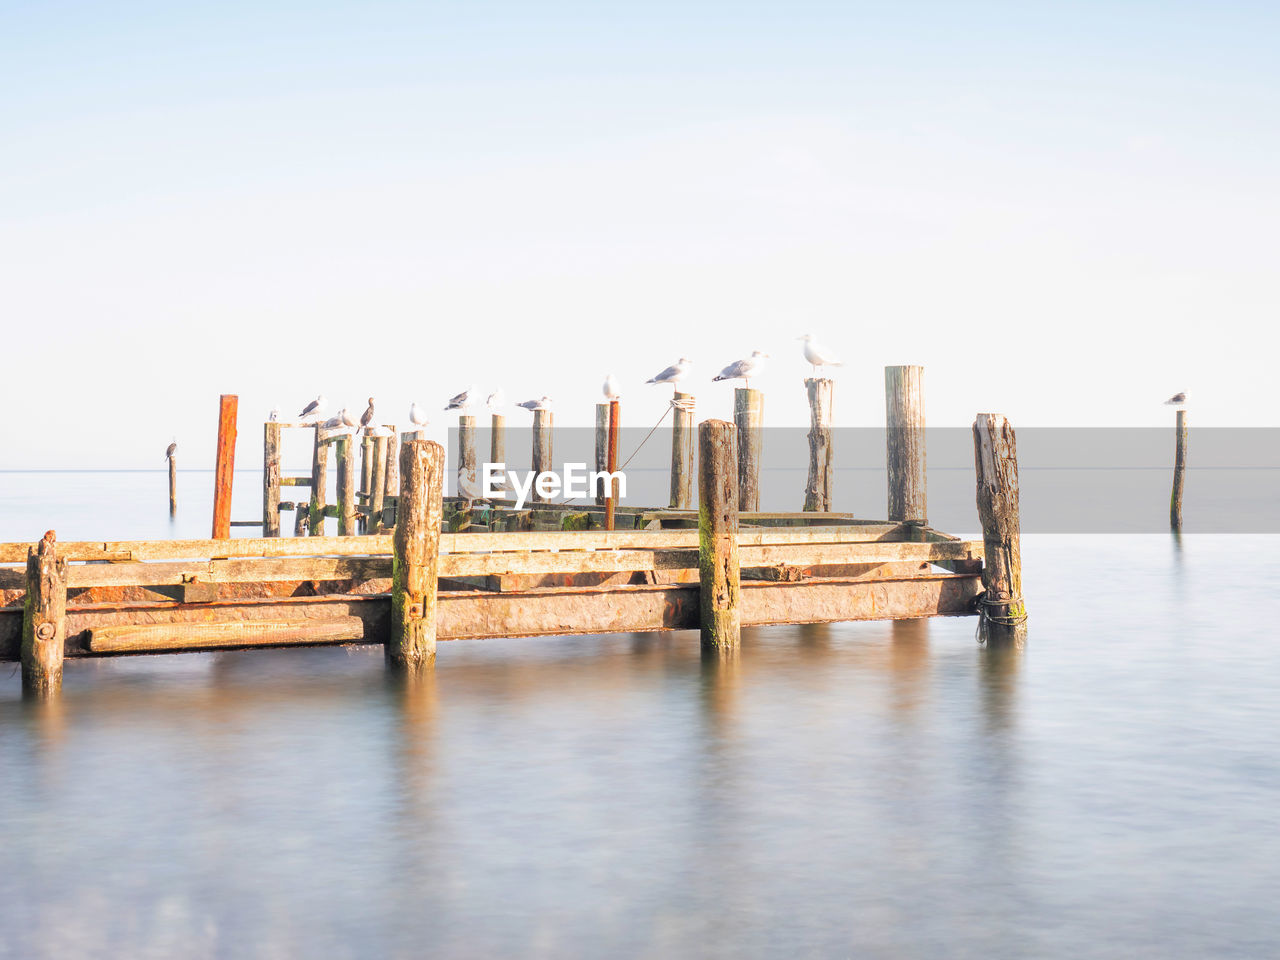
(611, 463)
(224, 470)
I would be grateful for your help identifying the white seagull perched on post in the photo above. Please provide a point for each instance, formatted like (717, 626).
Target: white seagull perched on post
(417, 416)
(611, 389)
(1177, 400)
(674, 373)
(817, 354)
(315, 408)
(744, 370)
(496, 400)
(274, 415)
(543, 403)
(462, 400)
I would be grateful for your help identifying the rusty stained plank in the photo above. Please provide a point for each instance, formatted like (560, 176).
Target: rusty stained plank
(542, 612)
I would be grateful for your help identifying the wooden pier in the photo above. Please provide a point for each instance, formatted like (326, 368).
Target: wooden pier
(429, 567)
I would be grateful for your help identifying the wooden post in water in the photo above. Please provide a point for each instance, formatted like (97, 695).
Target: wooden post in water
(817, 489)
(301, 519)
(173, 484)
(378, 484)
(543, 461)
(904, 443)
(498, 438)
(611, 458)
(1179, 473)
(366, 480)
(225, 466)
(44, 619)
(682, 437)
(271, 479)
(748, 414)
(467, 452)
(995, 450)
(346, 456)
(392, 484)
(319, 484)
(416, 555)
(719, 575)
(602, 448)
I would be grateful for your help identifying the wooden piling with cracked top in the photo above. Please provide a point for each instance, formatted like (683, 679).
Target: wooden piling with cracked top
(44, 619)
(904, 443)
(719, 573)
(817, 489)
(682, 440)
(748, 415)
(1003, 610)
(416, 555)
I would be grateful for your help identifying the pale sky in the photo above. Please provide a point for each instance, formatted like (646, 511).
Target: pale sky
(1065, 211)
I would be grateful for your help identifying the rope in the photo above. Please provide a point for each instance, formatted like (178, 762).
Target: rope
(986, 616)
(651, 432)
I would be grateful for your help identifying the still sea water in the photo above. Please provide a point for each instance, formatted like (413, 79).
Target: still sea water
(846, 790)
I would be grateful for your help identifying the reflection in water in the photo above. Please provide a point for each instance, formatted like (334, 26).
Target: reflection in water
(866, 789)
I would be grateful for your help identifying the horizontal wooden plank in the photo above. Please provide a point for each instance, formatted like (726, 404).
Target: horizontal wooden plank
(168, 637)
(295, 481)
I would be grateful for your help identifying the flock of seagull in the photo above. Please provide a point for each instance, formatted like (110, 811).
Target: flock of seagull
(817, 356)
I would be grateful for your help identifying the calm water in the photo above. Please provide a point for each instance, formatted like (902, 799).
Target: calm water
(864, 790)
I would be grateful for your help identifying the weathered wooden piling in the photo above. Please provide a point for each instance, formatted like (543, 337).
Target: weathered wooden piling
(719, 574)
(301, 519)
(346, 456)
(748, 415)
(904, 443)
(817, 489)
(44, 619)
(611, 461)
(497, 438)
(392, 484)
(377, 484)
(271, 479)
(682, 437)
(467, 452)
(416, 555)
(602, 448)
(543, 461)
(319, 484)
(1179, 473)
(1003, 611)
(173, 485)
(366, 480)
(225, 466)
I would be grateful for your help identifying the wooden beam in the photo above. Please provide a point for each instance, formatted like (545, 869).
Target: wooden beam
(818, 486)
(995, 449)
(411, 642)
(319, 480)
(719, 619)
(44, 624)
(156, 638)
(1179, 472)
(543, 458)
(904, 442)
(271, 479)
(748, 415)
(682, 444)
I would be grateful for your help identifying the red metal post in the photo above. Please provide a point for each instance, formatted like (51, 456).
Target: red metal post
(226, 465)
(615, 416)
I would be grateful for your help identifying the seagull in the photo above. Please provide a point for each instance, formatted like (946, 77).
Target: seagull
(744, 369)
(169, 450)
(366, 418)
(1177, 400)
(496, 400)
(817, 355)
(611, 389)
(467, 488)
(417, 416)
(674, 373)
(462, 400)
(274, 415)
(347, 419)
(543, 403)
(314, 408)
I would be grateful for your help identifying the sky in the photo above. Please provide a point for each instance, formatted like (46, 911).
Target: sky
(1065, 211)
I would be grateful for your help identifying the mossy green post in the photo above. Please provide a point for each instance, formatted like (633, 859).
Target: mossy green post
(718, 569)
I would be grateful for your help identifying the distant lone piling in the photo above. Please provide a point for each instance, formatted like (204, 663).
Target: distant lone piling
(720, 618)
(748, 415)
(416, 556)
(44, 620)
(271, 479)
(682, 440)
(817, 489)
(543, 461)
(904, 443)
(1179, 473)
(225, 466)
(1003, 611)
